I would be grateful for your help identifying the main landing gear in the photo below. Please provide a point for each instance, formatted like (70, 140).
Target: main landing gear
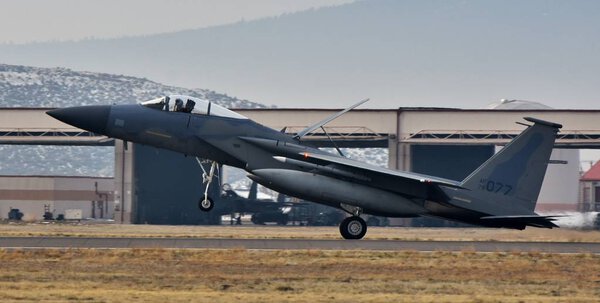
(206, 203)
(353, 227)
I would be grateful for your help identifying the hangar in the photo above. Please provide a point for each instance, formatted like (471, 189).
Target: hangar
(157, 186)
(35, 195)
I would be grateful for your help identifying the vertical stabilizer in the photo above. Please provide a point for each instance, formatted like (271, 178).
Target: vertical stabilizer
(513, 176)
(253, 193)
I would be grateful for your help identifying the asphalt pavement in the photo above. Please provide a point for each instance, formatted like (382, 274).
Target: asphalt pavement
(289, 244)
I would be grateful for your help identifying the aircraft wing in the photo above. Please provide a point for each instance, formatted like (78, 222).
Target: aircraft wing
(358, 167)
(410, 184)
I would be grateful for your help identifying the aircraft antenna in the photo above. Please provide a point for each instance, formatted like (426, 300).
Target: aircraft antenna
(332, 142)
(311, 128)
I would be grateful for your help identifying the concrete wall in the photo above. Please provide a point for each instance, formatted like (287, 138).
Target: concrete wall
(415, 120)
(379, 121)
(560, 190)
(123, 191)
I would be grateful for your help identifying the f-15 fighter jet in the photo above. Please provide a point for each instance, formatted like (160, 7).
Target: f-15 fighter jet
(502, 192)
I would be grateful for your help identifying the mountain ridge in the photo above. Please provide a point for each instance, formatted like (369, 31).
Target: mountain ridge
(26, 86)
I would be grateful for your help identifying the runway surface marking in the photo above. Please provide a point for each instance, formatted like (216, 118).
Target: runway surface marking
(227, 243)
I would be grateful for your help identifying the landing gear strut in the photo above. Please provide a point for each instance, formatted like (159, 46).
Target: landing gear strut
(206, 203)
(354, 227)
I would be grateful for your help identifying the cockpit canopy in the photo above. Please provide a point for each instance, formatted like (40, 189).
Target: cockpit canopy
(186, 104)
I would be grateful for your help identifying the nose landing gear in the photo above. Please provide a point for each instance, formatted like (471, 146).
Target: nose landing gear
(206, 203)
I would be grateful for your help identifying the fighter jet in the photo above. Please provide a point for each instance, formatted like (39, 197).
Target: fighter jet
(502, 192)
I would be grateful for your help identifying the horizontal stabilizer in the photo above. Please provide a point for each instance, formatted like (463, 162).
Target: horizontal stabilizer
(543, 122)
(531, 220)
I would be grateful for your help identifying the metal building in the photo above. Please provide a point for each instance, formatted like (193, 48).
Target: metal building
(440, 141)
(34, 195)
(590, 189)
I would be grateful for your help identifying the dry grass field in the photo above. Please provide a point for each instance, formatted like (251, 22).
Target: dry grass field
(253, 231)
(151, 275)
(167, 275)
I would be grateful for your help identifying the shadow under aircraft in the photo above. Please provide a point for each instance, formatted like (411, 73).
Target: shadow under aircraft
(502, 192)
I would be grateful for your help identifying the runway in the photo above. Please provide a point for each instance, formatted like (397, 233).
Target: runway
(290, 244)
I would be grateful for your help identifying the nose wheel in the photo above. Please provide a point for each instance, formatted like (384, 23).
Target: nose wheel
(353, 228)
(206, 204)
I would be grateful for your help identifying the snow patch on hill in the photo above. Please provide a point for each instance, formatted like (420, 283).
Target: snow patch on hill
(24, 86)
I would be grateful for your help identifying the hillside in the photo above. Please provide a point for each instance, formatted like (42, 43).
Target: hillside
(24, 86)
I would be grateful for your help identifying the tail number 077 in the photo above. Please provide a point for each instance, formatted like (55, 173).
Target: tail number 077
(495, 186)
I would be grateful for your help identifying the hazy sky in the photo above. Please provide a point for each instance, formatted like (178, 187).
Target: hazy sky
(23, 21)
(456, 53)
(427, 53)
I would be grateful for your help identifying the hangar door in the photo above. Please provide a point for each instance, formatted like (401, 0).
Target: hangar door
(167, 187)
(453, 162)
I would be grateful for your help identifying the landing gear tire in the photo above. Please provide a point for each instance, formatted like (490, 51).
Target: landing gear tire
(206, 204)
(353, 228)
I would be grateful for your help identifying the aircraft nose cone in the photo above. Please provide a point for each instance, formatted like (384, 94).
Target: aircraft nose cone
(91, 118)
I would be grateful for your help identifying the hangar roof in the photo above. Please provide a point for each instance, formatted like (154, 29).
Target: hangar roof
(407, 125)
(593, 174)
(517, 105)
